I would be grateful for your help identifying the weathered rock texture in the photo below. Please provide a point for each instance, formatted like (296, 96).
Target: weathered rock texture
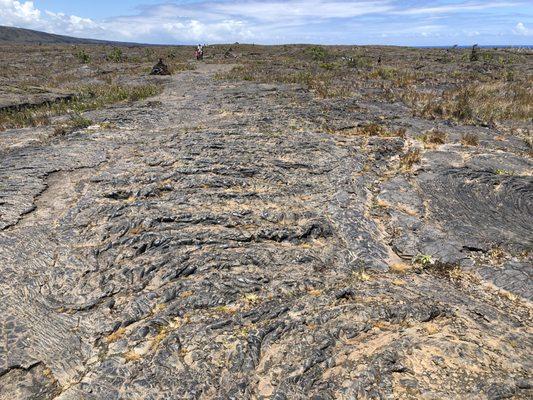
(160, 68)
(215, 243)
(14, 98)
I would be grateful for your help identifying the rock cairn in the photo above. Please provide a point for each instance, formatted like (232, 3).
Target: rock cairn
(160, 68)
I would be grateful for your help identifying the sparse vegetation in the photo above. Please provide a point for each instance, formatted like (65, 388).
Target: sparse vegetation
(424, 260)
(317, 53)
(229, 227)
(436, 84)
(373, 129)
(358, 62)
(434, 136)
(225, 309)
(361, 275)
(87, 98)
(409, 159)
(83, 56)
(251, 299)
(469, 139)
(482, 103)
(76, 121)
(116, 75)
(116, 55)
(503, 172)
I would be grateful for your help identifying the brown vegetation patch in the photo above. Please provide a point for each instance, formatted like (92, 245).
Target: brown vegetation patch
(469, 139)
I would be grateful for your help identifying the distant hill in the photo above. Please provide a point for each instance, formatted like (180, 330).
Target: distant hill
(10, 34)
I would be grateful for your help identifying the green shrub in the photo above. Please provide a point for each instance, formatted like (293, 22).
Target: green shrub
(358, 62)
(116, 55)
(83, 56)
(317, 53)
(327, 66)
(487, 56)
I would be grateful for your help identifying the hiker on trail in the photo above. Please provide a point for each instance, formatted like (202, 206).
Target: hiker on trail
(200, 52)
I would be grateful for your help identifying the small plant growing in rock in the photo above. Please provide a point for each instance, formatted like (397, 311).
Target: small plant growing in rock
(327, 66)
(434, 136)
(358, 62)
(503, 172)
(116, 55)
(374, 129)
(424, 260)
(386, 73)
(409, 159)
(487, 56)
(361, 275)
(76, 122)
(469, 139)
(508, 75)
(251, 298)
(317, 53)
(132, 356)
(83, 57)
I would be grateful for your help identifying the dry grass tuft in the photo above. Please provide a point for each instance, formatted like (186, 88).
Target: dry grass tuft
(434, 136)
(434, 83)
(361, 276)
(409, 159)
(315, 292)
(481, 103)
(118, 334)
(132, 356)
(373, 129)
(251, 299)
(400, 268)
(469, 139)
(87, 98)
(75, 122)
(225, 309)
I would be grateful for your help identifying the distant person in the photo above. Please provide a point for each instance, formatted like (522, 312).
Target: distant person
(200, 52)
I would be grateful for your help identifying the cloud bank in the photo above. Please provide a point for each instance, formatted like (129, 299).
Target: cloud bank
(272, 21)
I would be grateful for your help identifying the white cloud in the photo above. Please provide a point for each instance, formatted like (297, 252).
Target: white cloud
(272, 21)
(521, 29)
(200, 21)
(16, 12)
(415, 30)
(238, 20)
(181, 24)
(283, 10)
(24, 14)
(454, 8)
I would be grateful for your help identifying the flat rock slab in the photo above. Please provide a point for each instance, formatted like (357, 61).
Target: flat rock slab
(17, 98)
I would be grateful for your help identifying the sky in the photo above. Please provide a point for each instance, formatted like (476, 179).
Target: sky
(390, 22)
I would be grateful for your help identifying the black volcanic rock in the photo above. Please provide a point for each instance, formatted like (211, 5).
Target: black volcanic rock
(160, 68)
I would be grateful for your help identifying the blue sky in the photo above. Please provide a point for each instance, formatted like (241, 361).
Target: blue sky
(411, 22)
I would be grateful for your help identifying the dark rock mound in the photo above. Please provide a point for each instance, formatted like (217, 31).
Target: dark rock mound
(160, 68)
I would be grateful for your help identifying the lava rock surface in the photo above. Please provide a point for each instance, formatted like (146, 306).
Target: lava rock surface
(216, 243)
